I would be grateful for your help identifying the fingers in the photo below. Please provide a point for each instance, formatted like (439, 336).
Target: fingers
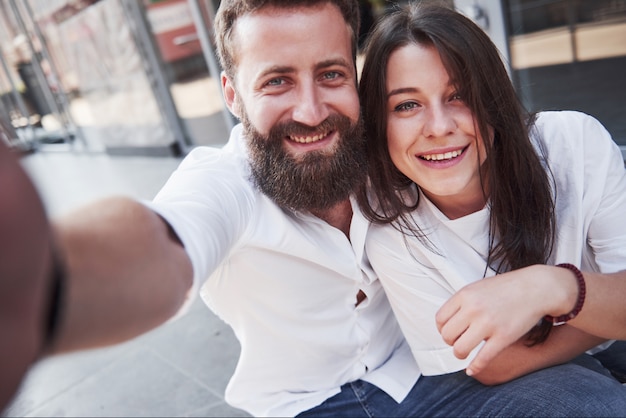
(467, 319)
(468, 340)
(486, 354)
(465, 337)
(447, 311)
(497, 310)
(460, 328)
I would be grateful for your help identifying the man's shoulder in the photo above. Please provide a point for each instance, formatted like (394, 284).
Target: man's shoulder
(211, 159)
(209, 174)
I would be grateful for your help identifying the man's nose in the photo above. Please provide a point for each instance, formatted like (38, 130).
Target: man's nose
(310, 108)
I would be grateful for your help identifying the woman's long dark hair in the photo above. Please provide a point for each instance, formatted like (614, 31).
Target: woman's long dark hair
(519, 188)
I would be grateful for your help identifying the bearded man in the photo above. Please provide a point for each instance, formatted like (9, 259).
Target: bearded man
(266, 228)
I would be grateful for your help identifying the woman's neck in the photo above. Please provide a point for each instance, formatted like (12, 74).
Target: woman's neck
(455, 207)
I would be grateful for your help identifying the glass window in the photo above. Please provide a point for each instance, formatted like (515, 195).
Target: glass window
(570, 54)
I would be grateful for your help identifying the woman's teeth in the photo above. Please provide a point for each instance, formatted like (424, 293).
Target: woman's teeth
(441, 157)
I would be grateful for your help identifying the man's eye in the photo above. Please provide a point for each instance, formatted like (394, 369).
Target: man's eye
(331, 75)
(275, 82)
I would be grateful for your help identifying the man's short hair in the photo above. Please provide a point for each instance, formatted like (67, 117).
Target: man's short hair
(231, 10)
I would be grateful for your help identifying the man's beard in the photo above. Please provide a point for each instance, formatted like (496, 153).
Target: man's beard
(315, 180)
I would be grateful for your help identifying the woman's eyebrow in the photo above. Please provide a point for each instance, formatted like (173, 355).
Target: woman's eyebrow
(402, 90)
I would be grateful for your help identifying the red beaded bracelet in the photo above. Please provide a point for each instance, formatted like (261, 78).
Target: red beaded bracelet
(582, 291)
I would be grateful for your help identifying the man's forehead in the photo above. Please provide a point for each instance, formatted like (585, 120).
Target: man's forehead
(288, 28)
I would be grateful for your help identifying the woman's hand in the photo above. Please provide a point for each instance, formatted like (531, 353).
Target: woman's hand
(500, 310)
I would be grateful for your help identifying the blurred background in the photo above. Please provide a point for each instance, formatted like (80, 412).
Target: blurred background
(105, 97)
(138, 77)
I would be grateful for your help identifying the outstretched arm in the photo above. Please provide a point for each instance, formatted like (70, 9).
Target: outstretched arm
(123, 272)
(24, 265)
(126, 273)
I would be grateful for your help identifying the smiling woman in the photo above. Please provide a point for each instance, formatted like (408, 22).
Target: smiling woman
(443, 148)
(478, 212)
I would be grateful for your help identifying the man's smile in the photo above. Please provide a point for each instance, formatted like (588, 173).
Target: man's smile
(308, 139)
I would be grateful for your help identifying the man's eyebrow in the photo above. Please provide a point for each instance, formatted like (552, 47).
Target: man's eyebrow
(284, 69)
(276, 69)
(332, 62)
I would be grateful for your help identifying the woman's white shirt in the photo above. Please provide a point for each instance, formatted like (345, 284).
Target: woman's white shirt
(590, 184)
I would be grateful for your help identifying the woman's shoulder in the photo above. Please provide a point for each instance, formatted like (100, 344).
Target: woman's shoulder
(570, 131)
(568, 121)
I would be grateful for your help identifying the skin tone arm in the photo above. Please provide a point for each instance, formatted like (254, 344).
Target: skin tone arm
(126, 273)
(24, 262)
(518, 359)
(494, 310)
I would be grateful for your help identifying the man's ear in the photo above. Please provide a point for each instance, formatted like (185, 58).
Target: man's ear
(228, 89)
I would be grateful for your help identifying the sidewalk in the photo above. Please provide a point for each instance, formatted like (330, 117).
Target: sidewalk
(179, 369)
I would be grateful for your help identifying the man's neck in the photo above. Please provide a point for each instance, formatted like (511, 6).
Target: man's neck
(338, 216)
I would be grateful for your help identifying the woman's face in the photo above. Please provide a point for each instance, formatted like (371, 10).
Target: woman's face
(431, 134)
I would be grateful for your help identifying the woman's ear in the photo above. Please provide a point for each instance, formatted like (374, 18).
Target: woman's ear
(228, 89)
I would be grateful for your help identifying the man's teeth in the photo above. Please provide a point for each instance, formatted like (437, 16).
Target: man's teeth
(440, 157)
(308, 139)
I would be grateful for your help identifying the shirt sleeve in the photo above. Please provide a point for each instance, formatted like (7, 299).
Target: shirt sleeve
(588, 168)
(605, 176)
(416, 288)
(208, 203)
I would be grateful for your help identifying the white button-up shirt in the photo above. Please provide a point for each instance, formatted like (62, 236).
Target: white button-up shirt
(287, 284)
(590, 183)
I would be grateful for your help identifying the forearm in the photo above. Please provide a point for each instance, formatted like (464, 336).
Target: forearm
(24, 263)
(604, 310)
(564, 344)
(501, 309)
(125, 273)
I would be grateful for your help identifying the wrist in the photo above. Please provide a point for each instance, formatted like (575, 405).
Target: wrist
(54, 303)
(580, 294)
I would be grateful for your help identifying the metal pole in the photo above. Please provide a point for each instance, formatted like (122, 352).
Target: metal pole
(65, 105)
(207, 51)
(41, 78)
(153, 65)
(571, 24)
(18, 99)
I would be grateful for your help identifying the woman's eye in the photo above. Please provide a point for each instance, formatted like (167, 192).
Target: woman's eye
(456, 96)
(405, 107)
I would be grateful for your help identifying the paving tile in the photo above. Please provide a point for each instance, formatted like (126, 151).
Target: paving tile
(55, 375)
(199, 344)
(139, 384)
(178, 369)
(221, 409)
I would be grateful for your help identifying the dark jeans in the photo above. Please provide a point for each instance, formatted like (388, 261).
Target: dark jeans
(614, 359)
(580, 388)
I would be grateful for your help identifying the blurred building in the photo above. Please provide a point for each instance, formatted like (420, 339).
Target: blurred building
(570, 54)
(126, 76)
(140, 76)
